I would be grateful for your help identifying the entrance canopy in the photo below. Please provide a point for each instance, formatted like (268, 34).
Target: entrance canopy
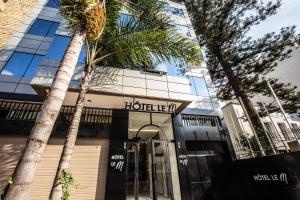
(128, 102)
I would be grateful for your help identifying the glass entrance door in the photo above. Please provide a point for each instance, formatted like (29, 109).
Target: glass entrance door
(148, 171)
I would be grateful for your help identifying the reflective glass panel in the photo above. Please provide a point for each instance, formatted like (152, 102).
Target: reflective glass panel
(184, 30)
(201, 87)
(32, 69)
(17, 64)
(40, 27)
(174, 67)
(82, 56)
(51, 32)
(53, 3)
(174, 11)
(192, 85)
(58, 47)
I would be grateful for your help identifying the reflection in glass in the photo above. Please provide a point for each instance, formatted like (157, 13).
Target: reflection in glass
(150, 173)
(174, 67)
(183, 30)
(32, 69)
(53, 3)
(22, 64)
(198, 86)
(174, 11)
(43, 28)
(58, 47)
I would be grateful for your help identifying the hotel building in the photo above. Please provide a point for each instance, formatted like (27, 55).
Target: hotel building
(144, 134)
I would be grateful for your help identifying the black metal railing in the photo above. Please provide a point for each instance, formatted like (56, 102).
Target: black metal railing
(200, 120)
(28, 111)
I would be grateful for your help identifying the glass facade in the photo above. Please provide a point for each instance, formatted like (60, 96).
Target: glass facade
(174, 11)
(43, 28)
(198, 86)
(22, 64)
(53, 3)
(58, 47)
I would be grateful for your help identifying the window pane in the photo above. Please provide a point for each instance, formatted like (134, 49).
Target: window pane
(174, 67)
(32, 69)
(82, 56)
(17, 64)
(51, 32)
(201, 87)
(184, 30)
(53, 3)
(58, 47)
(174, 11)
(192, 85)
(40, 27)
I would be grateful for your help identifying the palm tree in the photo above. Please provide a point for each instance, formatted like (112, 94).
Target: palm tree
(135, 42)
(83, 23)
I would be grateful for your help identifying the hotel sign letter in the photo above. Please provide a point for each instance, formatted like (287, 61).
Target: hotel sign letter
(137, 106)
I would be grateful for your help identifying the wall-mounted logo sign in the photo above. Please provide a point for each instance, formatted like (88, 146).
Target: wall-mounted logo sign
(139, 106)
(275, 177)
(117, 163)
(183, 159)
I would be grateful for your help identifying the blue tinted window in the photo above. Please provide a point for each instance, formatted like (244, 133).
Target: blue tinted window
(53, 3)
(43, 28)
(200, 86)
(22, 64)
(82, 56)
(58, 47)
(54, 27)
(32, 68)
(17, 64)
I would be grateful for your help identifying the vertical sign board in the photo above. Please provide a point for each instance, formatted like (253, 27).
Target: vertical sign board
(116, 167)
(182, 160)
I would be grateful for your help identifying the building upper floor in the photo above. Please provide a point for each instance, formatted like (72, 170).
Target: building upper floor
(31, 55)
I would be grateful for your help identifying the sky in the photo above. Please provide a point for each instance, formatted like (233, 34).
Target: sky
(289, 14)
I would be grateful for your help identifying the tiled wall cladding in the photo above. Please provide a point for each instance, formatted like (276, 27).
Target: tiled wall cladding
(123, 81)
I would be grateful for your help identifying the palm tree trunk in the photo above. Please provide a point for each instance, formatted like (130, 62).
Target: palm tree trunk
(57, 192)
(26, 169)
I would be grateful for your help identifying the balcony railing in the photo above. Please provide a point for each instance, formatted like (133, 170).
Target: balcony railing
(28, 111)
(200, 120)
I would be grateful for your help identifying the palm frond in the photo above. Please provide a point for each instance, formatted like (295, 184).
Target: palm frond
(146, 47)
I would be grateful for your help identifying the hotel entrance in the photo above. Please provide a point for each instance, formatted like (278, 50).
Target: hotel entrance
(150, 152)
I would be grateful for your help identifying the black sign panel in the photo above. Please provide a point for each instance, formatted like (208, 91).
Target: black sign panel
(117, 162)
(269, 177)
